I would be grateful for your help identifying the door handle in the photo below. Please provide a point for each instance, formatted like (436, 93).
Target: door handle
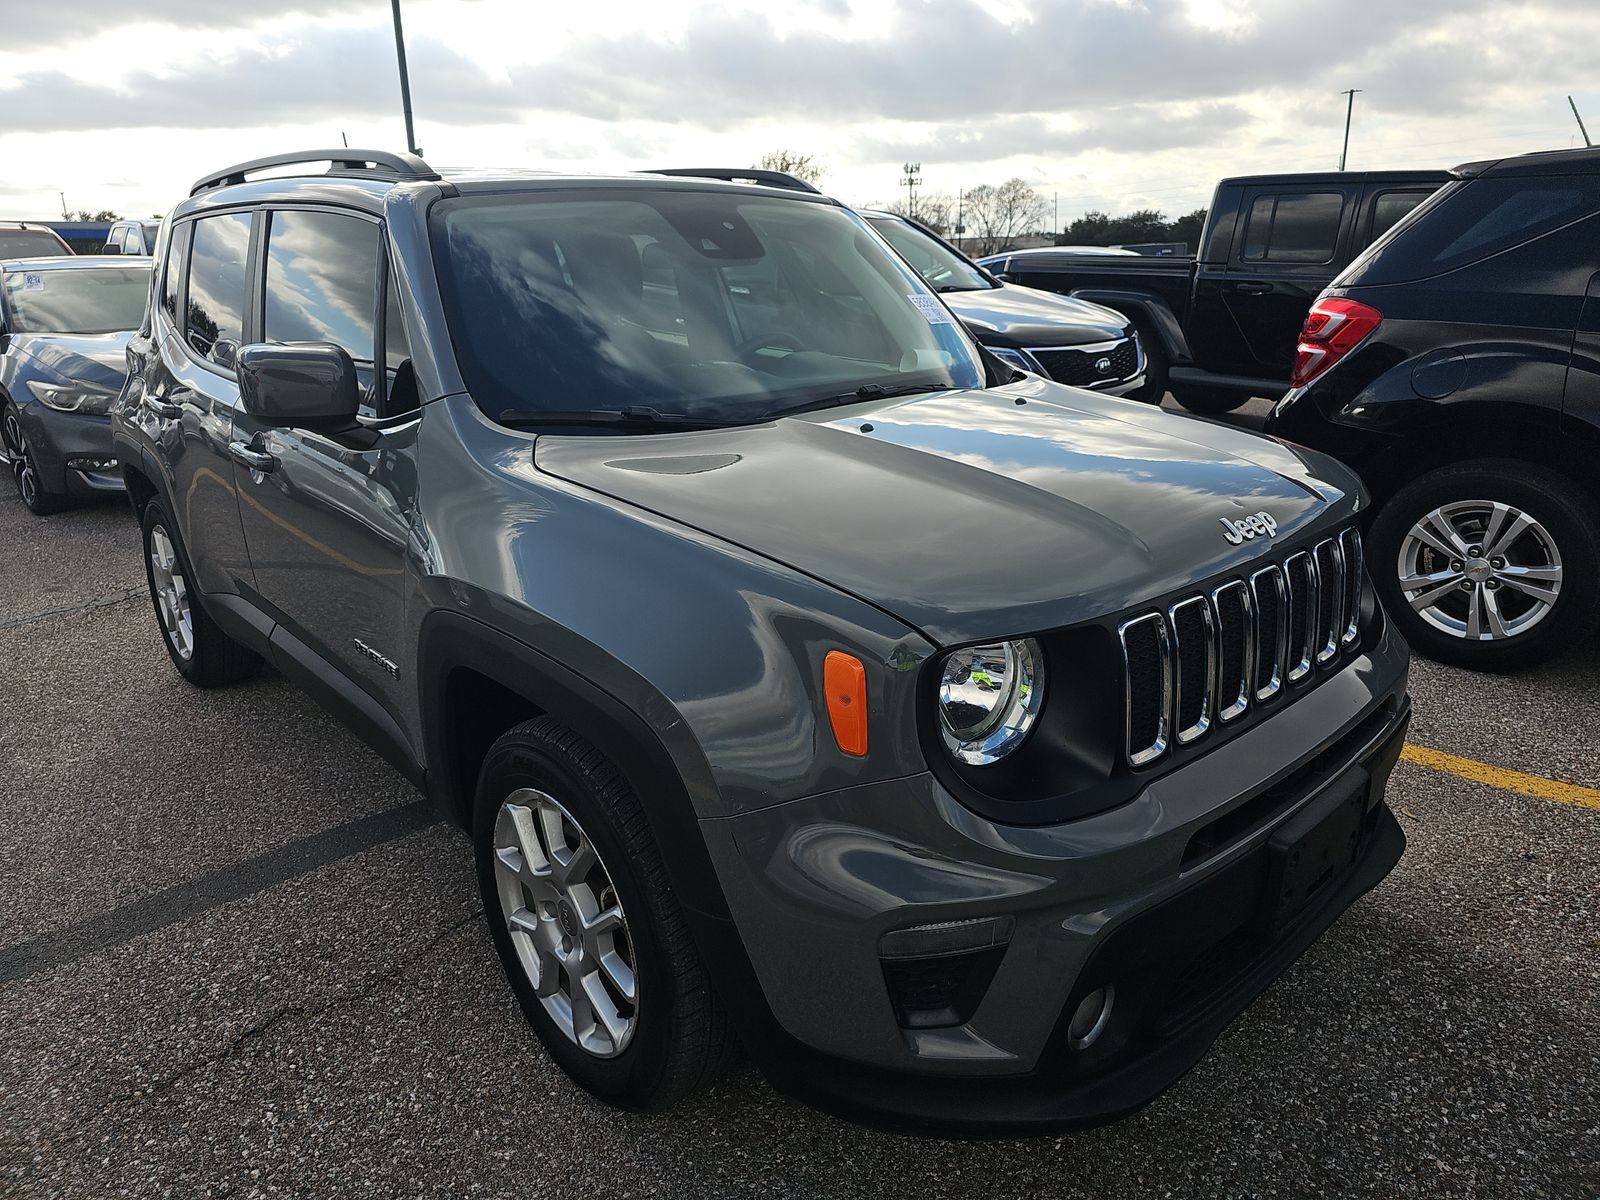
(169, 412)
(1252, 289)
(256, 460)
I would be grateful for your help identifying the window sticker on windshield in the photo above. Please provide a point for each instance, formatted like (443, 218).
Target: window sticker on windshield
(33, 281)
(930, 308)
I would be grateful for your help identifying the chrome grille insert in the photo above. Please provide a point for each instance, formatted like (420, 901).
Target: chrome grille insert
(1350, 553)
(1330, 599)
(1209, 656)
(1195, 661)
(1147, 686)
(1301, 572)
(1235, 643)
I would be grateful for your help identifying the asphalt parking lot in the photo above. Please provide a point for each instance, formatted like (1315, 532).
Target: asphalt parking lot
(240, 959)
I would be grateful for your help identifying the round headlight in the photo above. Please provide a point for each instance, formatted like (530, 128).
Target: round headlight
(989, 699)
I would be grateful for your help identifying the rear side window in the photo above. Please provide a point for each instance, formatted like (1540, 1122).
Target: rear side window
(322, 280)
(218, 285)
(30, 243)
(1479, 218)
(1293, 227)
(172, 279)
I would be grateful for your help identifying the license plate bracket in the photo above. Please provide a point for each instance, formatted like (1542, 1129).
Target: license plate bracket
(1314, 848)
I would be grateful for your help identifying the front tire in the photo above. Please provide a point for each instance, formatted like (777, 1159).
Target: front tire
(593, 941)
(202, 652)
(24, 469)
(1490, 565)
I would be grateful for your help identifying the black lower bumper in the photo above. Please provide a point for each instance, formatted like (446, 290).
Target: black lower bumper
(1182, 971)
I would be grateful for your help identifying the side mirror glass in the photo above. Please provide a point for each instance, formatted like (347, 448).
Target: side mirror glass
(301, 385)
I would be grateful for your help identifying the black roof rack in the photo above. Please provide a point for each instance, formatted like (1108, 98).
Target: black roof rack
(361, 164)
(781, 179)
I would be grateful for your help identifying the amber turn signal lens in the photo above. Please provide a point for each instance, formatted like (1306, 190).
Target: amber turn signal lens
(844, 680)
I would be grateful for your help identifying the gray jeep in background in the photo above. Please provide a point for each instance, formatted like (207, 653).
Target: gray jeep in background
(972, 747)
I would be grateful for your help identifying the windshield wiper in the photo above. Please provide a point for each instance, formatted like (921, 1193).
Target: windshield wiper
(634, 416)
(869, 391)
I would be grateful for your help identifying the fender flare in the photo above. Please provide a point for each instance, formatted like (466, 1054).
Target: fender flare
(449, 640)
(1149, 310)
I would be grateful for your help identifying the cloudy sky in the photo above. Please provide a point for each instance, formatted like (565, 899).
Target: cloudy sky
(1114, 104)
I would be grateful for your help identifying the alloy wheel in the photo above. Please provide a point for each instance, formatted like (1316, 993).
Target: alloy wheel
(566, 922)
(1480, 570)
(172, 594)
(22, 468)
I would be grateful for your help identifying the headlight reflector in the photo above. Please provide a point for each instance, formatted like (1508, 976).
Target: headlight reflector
(989, 699)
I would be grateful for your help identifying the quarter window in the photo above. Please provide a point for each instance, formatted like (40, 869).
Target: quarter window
(1390, 207)
(1293, 227)
(177, 248)
(218, 285)
(322, 280)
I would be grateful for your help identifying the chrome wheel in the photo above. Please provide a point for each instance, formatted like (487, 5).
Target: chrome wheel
(1480, 570)
(566, 922)
(171, 593)
(22, 468)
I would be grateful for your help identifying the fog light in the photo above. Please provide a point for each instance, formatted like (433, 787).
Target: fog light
(1090, 1018)
(92, 464)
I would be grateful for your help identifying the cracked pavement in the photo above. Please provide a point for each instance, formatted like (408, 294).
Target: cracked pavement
(241, 959)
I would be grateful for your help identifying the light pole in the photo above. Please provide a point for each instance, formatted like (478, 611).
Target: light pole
(912, 177)
(405, 78)
(1349, 110)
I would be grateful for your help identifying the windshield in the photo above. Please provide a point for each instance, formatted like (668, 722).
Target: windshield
(724, 307)
(30, 243)
(82, 300)
(942, 267)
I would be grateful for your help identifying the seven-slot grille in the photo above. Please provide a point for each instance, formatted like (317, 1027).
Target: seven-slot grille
(1207, 658)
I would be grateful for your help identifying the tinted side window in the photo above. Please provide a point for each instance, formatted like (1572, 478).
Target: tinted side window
(177, 249)
(1481, 217)
(1390, 207)
(1293, 227)
(402, 379)
(322, 280)
(214, 312)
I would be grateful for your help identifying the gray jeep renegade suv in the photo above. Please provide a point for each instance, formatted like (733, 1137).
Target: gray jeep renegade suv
(974, 747)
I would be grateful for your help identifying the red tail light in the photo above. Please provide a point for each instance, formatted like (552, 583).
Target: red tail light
(1333, 328)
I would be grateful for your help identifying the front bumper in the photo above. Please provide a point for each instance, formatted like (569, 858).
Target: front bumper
(61, 442)
(1119, 898)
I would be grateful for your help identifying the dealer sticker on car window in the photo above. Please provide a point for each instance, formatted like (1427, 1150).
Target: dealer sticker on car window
(930, 308)
(33, 281)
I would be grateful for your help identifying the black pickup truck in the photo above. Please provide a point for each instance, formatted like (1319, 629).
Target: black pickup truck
(1222, 326)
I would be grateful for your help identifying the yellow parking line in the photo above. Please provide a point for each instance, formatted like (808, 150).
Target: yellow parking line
(1500, 777)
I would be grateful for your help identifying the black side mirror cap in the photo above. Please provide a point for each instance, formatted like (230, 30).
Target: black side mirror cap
(299, 385)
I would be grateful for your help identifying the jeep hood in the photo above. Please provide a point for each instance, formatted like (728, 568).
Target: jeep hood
(975, 514)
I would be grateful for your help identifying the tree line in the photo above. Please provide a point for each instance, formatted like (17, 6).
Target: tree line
(994, 218)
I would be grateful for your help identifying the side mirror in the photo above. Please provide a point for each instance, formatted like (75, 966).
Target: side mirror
(303, 385)
(111, 248)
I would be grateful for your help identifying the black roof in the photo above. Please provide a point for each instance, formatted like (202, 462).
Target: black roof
(1304, 177)
(1585, 160)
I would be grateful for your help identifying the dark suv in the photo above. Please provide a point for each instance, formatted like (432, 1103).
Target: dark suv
(1456, 367)
(975, 746)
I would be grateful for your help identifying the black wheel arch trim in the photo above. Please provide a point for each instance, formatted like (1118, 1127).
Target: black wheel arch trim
(1145, 308)
(450, 641)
